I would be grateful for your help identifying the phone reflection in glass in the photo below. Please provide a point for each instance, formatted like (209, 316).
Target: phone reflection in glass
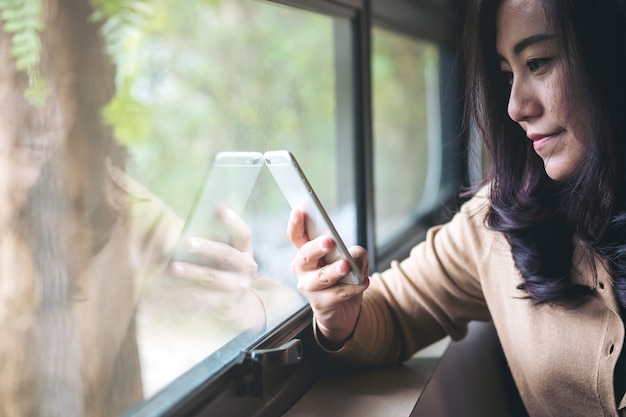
(225, 192)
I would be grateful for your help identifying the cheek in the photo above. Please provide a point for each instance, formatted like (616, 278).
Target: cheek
(558, 97)
(24, 169)
(577, 124)
(581, 132)
(577, 152)
(570, 108)
(557, 104)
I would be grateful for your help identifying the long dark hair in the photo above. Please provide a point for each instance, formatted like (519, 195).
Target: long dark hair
(539, 216)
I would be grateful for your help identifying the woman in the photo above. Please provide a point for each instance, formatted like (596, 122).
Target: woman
(539, 249)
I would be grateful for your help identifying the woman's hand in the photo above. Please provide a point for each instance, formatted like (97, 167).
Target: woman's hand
(224, 273)
(224, 266)
(336, 306)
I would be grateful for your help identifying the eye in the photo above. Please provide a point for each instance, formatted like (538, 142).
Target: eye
(536, 64)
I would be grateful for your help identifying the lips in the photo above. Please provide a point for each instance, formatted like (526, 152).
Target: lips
(540, 140)
(35, 151)
(38, 147)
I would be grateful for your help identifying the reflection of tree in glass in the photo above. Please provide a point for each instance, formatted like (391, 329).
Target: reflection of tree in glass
(58, 221)
(77, 237)
(228, 75)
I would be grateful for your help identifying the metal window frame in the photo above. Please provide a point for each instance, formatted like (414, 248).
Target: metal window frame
(195, 394)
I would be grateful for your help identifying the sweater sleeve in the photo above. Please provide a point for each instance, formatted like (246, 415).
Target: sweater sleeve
(434, 292)
(152, 228)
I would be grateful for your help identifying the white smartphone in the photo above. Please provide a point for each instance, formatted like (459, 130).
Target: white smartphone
(228, 184)
(300, 195)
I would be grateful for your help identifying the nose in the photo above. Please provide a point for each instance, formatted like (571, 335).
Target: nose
(523, 102)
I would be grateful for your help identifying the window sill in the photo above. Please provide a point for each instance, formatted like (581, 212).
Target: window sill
(449, 379)
(360, 392)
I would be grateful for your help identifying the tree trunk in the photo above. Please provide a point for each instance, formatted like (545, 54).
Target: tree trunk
(53, 218)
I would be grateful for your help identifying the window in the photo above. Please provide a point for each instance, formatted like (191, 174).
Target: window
(223, 77)
(407, 131)
(113, 129)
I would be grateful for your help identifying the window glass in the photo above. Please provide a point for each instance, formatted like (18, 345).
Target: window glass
(407, 136)
(224, 76)
(106, 172)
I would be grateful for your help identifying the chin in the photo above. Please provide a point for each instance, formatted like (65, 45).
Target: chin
(558, 173)
(25, 177)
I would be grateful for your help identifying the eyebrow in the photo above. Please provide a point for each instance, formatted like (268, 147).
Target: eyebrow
(531, 40)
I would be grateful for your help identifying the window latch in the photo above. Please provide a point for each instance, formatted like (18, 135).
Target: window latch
(263, 369)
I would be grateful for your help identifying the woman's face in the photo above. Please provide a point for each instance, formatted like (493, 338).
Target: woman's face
(531, 59)
(38, 132)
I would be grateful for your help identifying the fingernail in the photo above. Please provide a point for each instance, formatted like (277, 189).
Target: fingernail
(340, 268)
(324, 244)
(178, 268)
(193, 244)
(227, 214)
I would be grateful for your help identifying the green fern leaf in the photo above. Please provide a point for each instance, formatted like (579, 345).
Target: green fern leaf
(22, 19)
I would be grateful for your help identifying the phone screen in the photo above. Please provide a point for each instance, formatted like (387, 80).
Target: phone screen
(299, 193)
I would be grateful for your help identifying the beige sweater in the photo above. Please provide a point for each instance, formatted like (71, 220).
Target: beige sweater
(562, 360)
(89, 344)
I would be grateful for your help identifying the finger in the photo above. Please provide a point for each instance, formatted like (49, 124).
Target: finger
(221, 256)
(240, 235)
(329, 299)
(310, 255)
(211, 251)
(343, 292)
(361, 257)
(209, 277)
(338, 270)
(296, 229)
(323, 277)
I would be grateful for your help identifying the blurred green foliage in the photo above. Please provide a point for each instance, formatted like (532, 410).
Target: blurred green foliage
(198, 77)
(22, 19)
(404, 83)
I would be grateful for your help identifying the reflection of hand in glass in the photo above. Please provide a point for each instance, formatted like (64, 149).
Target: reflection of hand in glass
(220, 265)
(226, 270)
